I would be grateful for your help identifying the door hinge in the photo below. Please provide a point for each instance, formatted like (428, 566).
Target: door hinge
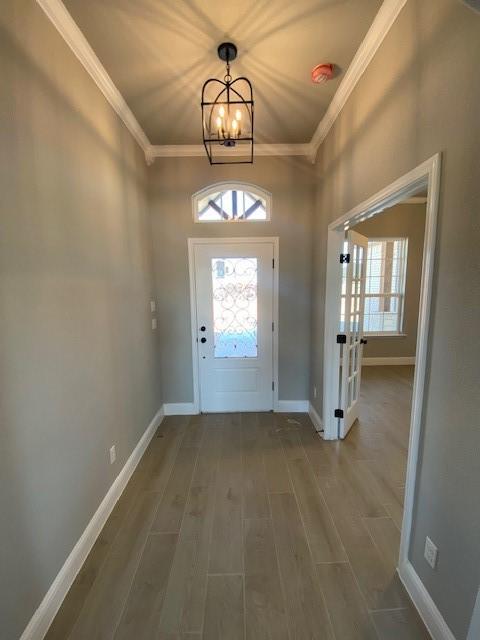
(273, 385)
(341, 338)
(273, 263)
(338, 413)
(273, 326)
(344, 258)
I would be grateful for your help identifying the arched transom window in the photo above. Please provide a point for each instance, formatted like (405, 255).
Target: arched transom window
(231, 202)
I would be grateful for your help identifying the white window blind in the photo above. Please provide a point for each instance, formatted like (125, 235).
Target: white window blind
(385, 285)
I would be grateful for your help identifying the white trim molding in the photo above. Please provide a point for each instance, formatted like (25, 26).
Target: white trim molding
(46, 612)
(315, 418)
(198, 150)
(56, 11)
(281, 406)
(292, 406)
(426, 607)
(180, 409)
(390, 361)
(379, 29)
(425, 176)
(58, 14)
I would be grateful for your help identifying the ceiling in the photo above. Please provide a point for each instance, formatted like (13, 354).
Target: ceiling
(159, 53)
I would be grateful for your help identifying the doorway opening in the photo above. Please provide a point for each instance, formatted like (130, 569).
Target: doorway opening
(366, 293)
(234, 315)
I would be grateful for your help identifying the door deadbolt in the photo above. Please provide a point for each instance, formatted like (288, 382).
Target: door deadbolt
(202, 328)
(203, 340)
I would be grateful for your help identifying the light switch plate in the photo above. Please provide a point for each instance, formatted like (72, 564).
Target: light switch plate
(153, 306)
(430, 553)
(154, 324)
(113, 454)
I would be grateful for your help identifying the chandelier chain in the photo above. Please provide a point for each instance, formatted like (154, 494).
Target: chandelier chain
(228, 77)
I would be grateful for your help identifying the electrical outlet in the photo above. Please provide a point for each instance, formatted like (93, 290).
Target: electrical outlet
(154, 324)
(113, 454)
(314, 392)
(430, 553)
(153, 306)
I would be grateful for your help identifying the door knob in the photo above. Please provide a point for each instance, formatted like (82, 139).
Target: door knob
(363, 341)
(203, 340)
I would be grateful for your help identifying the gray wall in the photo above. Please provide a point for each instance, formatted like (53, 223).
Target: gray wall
(172, 182)
(406, 108)
(77, 355)
(402, 221)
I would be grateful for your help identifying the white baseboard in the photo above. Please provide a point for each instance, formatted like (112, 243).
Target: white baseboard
(382, 362)
(189, 409)
(315, 418)
(180, 409)
(292, 406)
(422, 600)
(44, 615)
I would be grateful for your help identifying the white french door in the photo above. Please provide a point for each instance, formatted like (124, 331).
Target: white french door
(234, 294)
(351, 338)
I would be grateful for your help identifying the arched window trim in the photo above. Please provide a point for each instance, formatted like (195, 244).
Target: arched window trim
(234, 186)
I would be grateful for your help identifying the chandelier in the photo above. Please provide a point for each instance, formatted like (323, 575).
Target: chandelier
(227, 115)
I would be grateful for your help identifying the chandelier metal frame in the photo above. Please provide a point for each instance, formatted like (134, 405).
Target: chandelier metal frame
(230, 98)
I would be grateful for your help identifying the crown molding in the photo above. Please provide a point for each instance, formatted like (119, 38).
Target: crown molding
(381, 25)
(383, 21)
(57, 13)
(196, 150)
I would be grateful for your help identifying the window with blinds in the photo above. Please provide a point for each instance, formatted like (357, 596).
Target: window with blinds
(385, 286)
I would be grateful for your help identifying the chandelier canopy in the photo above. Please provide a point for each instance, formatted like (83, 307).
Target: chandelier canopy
(227, 115)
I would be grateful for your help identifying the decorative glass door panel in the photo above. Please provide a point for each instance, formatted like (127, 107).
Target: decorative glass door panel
(234, 282)
(234, 305)
(351, 325)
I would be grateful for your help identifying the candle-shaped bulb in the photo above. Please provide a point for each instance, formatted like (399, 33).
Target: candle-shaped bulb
(221, 111)
(238, 115)
(234, 127)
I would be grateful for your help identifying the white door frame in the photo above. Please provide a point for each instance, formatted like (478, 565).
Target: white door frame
(192, 242)
(425, 175)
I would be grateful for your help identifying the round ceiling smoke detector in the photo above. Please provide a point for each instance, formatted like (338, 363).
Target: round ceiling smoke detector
(322, 73)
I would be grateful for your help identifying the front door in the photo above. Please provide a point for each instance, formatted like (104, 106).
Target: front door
(351, 328)
(234, 289)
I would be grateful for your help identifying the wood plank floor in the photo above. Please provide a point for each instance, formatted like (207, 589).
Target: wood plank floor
(251, 527)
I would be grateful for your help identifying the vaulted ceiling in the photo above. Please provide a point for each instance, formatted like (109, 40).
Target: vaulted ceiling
(159, 52)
